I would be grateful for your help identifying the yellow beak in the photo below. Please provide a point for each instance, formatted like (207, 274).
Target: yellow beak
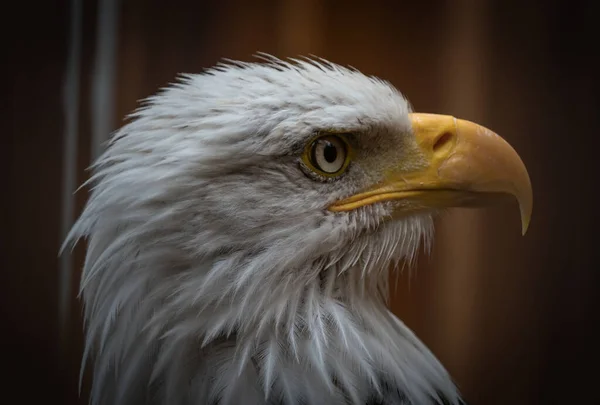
(467, 165)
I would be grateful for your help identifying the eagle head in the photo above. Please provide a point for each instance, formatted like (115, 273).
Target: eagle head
(241, 228)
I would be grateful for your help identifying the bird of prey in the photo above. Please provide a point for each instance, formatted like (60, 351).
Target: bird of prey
(241, 228)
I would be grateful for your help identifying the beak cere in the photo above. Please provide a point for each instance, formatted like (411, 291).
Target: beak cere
(467, 165)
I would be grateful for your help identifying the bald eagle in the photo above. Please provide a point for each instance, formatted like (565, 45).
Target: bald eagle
(241, 228)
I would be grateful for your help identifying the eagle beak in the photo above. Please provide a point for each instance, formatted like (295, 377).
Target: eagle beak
(465, 165)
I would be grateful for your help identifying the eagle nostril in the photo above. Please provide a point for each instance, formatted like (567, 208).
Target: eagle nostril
(442, 141)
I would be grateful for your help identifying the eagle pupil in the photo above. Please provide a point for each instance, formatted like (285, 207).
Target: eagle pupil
(330, 152)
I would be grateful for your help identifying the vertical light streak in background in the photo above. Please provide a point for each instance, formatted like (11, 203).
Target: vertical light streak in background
(102, 123)
(458, 248)
(103, 99)
(69, 169)
(300, 28)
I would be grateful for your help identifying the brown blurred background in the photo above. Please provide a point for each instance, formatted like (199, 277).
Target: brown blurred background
(513, 318)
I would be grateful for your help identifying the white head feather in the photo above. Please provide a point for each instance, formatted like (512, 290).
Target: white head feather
(214, 274)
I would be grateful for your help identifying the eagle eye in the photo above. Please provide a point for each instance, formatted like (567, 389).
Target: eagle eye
(327, 155)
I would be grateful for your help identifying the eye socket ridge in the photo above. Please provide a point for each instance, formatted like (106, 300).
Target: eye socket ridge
(327, 155)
